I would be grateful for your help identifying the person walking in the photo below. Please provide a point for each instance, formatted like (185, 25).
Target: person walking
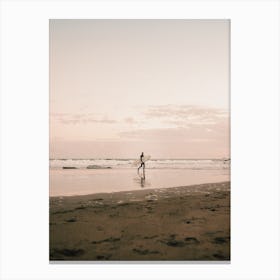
(142, 164)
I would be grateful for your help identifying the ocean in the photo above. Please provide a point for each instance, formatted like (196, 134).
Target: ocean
(193, 164)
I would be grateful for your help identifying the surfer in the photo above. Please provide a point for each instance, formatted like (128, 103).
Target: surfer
(142, 163)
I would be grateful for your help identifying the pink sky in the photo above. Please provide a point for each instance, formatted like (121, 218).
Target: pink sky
(120, 87)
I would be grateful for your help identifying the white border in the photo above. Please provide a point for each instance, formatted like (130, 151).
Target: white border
(254, 143)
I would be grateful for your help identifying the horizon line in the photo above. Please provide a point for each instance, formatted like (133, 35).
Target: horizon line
(220, 158)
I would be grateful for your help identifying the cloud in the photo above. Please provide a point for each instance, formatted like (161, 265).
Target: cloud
(130, 120)
(183, 123)
(185, 115)
(192, 134)
(81, 119)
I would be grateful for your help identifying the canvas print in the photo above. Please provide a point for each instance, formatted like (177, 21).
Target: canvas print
(139, 140)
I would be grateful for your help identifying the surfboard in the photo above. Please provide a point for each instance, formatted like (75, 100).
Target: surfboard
(138, 161)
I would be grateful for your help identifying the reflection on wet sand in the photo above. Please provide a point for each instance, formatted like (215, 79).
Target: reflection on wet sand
(141, 181)
(81, 182)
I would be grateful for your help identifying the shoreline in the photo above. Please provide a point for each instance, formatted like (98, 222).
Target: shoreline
(192, 187)
(187, 223)
(88, 181)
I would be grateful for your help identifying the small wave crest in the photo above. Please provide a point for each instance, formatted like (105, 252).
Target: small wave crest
(98, 167)
(207, 164)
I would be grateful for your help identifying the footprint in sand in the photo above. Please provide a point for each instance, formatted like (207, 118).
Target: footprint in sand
(191, 240)
(110, 239)
(103, 257)
(171, 241)
(72, 220)
(69, 252)
(151, 197)
(144, 251)
(221, 240)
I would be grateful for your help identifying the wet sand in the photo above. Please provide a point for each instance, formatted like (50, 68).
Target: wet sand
(71, 182)
(175, 224)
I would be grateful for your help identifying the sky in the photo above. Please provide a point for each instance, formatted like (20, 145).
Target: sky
(120, 87)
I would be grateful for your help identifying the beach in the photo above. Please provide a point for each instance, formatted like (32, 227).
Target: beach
(184, 223)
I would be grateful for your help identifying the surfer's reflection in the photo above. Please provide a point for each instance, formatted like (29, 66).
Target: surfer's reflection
(142, 177)
(141, 180)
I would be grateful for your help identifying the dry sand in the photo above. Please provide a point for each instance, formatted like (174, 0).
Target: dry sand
(182, 223)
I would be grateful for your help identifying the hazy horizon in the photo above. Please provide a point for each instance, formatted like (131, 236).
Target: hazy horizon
(104, 158)
(120, 87)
